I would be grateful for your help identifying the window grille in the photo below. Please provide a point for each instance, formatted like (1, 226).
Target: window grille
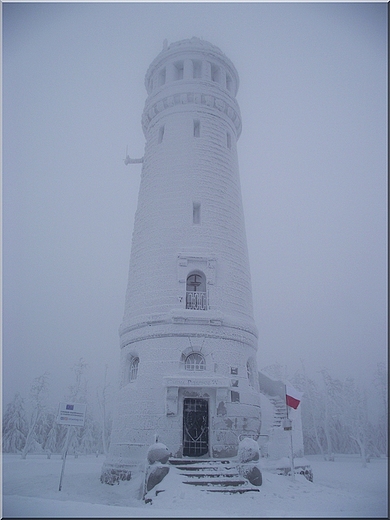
(134, 368)
(195, 362)
(196, 292)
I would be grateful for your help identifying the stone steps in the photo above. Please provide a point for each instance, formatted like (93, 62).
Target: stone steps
(212, 475)
(280, 410)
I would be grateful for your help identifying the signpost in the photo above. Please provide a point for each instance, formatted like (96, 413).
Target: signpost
(70, 414)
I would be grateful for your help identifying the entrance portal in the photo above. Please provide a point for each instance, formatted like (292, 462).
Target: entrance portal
(195, 427)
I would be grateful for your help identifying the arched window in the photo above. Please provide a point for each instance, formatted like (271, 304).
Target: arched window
(195, 362)
(133, 372)
(196, 292)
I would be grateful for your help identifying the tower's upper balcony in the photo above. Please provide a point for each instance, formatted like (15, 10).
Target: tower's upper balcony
(186, 72)
(192, 59)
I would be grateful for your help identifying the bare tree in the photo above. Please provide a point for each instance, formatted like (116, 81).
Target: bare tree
(356, 416)
(380, 381)
(312, 412)
(332, 411)
(102, 397)
(38, 399)
(78, 391)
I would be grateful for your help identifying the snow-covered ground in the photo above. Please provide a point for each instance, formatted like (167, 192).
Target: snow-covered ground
(342, 488)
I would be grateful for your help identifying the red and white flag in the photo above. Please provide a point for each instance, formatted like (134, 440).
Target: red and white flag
(293, 397)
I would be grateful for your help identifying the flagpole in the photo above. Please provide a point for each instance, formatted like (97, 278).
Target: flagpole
(292, 456)
(291, 439)
(285, 398)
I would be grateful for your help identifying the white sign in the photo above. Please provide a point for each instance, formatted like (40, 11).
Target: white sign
(199, 381)
(72, 414)
(194, 382)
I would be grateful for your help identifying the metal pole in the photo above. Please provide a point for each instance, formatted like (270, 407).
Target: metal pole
(291, 441)
(65, 454)
(292, 456)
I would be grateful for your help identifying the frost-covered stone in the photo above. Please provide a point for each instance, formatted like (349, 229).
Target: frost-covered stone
(156, 475)
(188, 337)
(113, 476)
(158, 452)
(248, 450)
(253, 474)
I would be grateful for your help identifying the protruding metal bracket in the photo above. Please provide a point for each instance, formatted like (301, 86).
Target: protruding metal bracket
(133, 161)
(128, 160)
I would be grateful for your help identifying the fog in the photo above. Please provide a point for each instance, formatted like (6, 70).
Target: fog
(313, 167)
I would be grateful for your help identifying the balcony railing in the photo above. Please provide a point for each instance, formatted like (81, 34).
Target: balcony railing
(196, 300)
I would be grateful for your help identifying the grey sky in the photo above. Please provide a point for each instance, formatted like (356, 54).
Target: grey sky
(313, 166)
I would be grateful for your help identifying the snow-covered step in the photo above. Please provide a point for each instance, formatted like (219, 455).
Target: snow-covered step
(228, 489)
(216, 481)
(212, 475)
(209, 472)
(197, 462)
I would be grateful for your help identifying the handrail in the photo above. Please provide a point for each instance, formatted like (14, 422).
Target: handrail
(196, 300)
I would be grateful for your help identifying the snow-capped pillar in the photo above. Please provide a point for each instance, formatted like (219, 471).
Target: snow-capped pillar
(206, 70)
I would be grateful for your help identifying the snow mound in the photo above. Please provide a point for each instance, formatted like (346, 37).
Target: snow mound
(248, 450)
(158, 452)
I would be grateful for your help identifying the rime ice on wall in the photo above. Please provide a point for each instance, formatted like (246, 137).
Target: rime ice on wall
(188, 339)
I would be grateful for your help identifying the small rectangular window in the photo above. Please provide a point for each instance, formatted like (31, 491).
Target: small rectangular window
(161, 134)
(229, 85)
(215, 73)
(197, 69)
(234, 382)
(196, 213)
(234, 370)
(228, 140)
(196, 128)
(179, 70)
(235, 397)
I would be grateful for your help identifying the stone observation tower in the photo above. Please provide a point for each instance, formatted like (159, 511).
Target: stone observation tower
(188, 339)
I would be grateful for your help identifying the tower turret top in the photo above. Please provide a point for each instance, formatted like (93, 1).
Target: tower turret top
(208, 63)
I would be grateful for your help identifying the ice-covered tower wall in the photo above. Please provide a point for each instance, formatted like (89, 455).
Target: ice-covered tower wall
(189, 287)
